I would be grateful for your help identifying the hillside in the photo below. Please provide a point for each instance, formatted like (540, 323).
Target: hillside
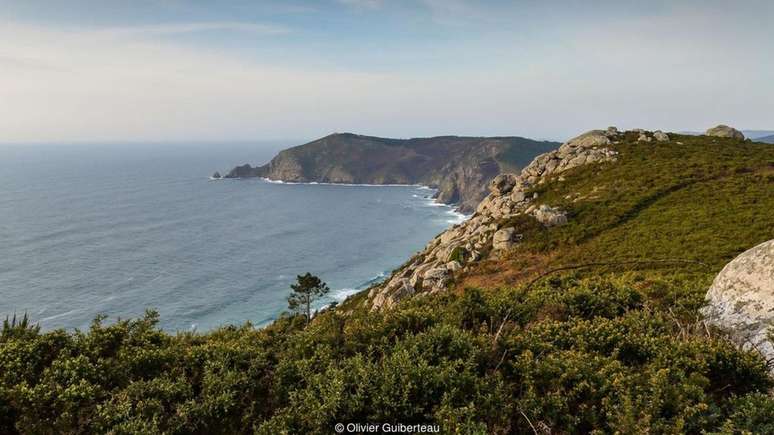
(570, 304)
(459, 167)
(622, 205)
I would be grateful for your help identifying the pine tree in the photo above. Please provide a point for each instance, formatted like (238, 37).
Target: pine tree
(307, 288)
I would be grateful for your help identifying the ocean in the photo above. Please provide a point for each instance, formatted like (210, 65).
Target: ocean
(116, 229)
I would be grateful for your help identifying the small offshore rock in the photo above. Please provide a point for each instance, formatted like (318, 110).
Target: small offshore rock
(593, 138)
(216, 175)
(725, 131)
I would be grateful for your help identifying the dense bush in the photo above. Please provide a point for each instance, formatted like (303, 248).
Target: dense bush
(570, 355)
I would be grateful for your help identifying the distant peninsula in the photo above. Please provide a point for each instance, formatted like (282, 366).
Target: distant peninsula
(460, 168)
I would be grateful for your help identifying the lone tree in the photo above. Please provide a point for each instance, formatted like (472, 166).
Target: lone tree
(306, 289)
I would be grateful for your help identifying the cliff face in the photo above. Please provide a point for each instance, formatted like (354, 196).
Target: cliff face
(490, 229)
(459, 167)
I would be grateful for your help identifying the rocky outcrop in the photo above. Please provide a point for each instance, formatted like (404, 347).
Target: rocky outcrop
(488, 232)
(549, 216)
(725, 131)
(505, 238)
(244, 171)
(660, 136)
(647, 136)
(590, 147)
(458, 167)
(741, 299)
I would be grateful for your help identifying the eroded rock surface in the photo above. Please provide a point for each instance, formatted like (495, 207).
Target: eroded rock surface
(741, 299)
(660, 136)
(504, 239)
(725, 131)
(550, 216)
(487, 231)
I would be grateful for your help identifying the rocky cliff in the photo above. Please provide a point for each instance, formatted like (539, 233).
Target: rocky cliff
(490, 229)
(458, 167)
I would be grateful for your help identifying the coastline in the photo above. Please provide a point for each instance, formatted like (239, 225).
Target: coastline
(433, 202)
(425, 198)
(459, 216)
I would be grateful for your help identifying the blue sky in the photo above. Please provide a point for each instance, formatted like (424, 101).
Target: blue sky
(178, 70)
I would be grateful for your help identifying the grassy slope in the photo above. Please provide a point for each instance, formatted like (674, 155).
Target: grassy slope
(694, 198)
(607, 348)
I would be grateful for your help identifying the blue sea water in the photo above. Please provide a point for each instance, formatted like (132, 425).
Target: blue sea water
(116, 229)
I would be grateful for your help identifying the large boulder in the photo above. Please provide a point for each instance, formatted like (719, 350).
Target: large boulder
(590, 139)
(661, 136)
(550, 216)
(725, 131)
(505, 239)
(436, 279)
(503, 184)
(741, 299)
(393, 294)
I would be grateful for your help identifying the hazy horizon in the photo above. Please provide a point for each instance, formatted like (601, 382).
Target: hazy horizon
(181, 71)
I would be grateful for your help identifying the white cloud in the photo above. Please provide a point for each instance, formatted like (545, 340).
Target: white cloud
(682, 71)
(184, 28)
(67, 85)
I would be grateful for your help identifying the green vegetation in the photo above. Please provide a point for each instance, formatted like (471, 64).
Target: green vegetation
(604, 349)
(695, 198)
(704, 198)
(305, 291)
(458, 254)
(574, 355)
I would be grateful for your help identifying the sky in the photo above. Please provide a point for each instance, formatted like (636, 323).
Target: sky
(242, 70)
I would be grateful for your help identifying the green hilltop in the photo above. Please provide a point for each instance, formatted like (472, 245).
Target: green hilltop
(588, 327)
